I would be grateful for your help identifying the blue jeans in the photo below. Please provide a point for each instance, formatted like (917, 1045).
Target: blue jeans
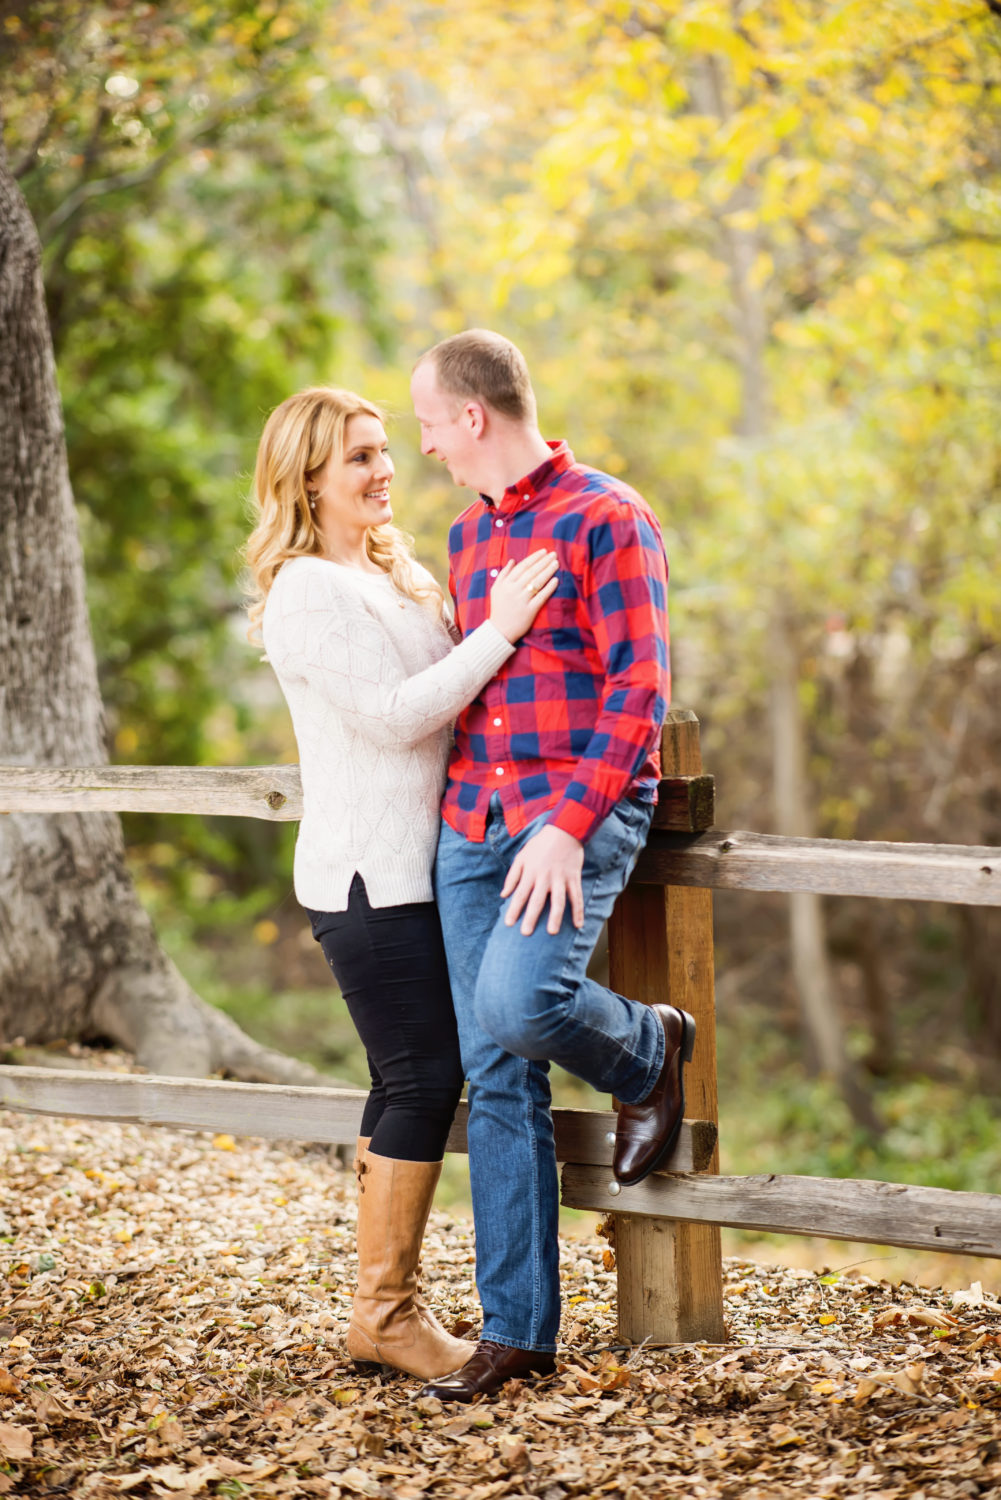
(522, 1003)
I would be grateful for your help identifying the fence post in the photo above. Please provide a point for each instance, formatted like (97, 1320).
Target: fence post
(660, 948)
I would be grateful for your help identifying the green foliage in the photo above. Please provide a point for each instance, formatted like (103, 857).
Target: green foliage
(207, 237)
(775, 1119)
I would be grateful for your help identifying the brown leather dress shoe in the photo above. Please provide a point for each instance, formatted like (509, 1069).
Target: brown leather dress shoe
(646, 1132)
(486, 1372)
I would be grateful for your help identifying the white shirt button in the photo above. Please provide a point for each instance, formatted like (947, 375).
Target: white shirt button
(493, 572)
(498, 523)
(500, 770)
(497, 723)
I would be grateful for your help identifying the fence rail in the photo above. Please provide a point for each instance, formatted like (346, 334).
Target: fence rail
(270, 792)
(961, 873)
(287, 1112)
(882, 1213)
(660, 949)
(683, 848)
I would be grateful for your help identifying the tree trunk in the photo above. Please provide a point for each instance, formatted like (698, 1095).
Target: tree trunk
(981, 929)
(78, 955)
(807, 937)
(808, 941)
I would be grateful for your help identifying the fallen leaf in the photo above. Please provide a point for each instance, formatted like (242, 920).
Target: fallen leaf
(195, 1480)
(359, 1483)
(972, 1298)
(172, 1475)
(15, 1441)
(49, 1407)
(513, 1453)
(784, 1436)
(371, 1442)
(904, 1382)
(458, 1427)
(922, 1316)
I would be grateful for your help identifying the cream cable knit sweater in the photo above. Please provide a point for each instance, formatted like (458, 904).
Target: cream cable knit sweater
(372, 683)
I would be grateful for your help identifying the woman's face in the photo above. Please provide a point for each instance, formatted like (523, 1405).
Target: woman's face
(352, 488)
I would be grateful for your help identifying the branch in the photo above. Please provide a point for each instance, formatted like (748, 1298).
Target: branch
(30, 156)
(120, 181)
(952, 236)
(70, 27)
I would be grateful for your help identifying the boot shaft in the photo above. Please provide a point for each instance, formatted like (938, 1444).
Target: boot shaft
(394, 1200)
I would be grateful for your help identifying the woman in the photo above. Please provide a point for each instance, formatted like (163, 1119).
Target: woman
(356, 632)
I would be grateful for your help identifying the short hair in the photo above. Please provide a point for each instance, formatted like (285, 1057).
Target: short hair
(487, 367)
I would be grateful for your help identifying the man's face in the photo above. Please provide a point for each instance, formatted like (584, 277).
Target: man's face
(448, 426)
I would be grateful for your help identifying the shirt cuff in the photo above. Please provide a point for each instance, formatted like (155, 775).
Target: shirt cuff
(575, 819)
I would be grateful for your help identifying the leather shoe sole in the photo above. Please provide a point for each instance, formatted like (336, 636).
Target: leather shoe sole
(487, 1370)
(645, 1133)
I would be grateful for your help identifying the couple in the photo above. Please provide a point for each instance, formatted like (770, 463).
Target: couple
(477, 876)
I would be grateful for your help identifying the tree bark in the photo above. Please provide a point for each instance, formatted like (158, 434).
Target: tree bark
(981, 929)
(78, 955)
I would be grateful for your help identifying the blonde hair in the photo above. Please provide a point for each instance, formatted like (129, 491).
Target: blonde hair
(298, 439)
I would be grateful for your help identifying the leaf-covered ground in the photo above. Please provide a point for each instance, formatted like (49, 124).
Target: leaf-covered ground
(171, 1313)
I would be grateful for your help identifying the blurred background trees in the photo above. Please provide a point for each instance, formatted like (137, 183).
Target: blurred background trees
(751, 251)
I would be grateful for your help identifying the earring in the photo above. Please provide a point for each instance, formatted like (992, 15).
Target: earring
(312, 501)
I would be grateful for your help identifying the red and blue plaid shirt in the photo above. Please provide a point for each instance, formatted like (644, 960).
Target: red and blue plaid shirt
(571, 723)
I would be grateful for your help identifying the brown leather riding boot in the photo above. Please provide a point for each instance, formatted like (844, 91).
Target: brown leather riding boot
(358, 1168)
(389, 1324)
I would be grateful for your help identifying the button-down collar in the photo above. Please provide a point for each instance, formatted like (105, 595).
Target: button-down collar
(517, 496)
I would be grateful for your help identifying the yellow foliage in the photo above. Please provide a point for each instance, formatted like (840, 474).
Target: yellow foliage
(674, 211)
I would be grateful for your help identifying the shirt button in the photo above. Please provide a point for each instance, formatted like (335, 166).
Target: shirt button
(493, 572)
(500, 770)
(497, 723)
(498, 523)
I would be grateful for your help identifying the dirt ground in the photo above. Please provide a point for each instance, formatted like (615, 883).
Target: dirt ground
(173, 1306)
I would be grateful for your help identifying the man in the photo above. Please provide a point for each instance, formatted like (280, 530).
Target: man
(549, 800)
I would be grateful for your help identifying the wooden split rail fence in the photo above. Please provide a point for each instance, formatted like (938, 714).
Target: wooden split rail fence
(667, 1229)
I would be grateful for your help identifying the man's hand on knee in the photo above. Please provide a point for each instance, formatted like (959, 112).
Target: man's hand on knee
(548, 868)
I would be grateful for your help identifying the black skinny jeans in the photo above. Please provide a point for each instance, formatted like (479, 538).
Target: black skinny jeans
(390, 964)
